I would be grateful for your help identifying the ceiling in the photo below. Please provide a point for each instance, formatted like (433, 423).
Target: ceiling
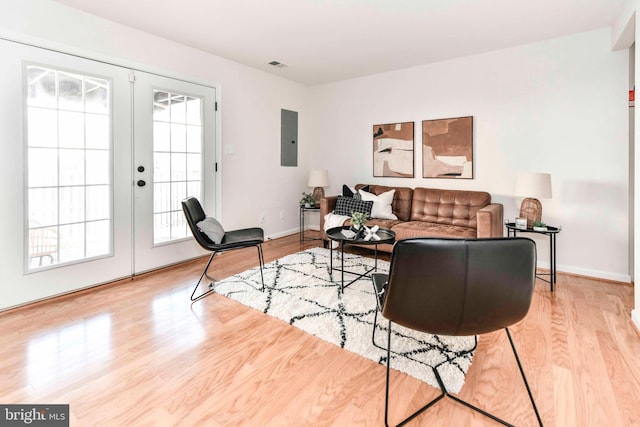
(323, 41)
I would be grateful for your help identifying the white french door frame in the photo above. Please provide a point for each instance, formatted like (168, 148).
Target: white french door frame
(149, 254)
(15, 290)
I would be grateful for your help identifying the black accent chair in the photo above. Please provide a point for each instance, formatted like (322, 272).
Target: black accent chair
(235, 239)
(457, 287)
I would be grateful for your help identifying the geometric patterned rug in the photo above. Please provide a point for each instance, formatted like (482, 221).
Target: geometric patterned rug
(299, 291)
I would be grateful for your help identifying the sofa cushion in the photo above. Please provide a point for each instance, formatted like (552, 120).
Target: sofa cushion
(383, 223)
(411, 229)
(381, 204)
(401, 205)
(449, 207)
(347, 205)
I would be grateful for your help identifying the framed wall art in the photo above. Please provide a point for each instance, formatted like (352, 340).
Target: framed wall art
(393, 150)
(447, 148)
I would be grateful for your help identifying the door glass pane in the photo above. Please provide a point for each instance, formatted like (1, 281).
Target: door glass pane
(43, 207)
(178, 137)
(161, 196)
(43, 167)
(96, 95)
(160, 106)
(98, 202)
(97, 131)
(43, 247)
(178, 108)
(71, 167)
(162, 227)
(68, 167)
(194, 162)
(71, 242)
(194, 139)
(161, 137)
(70, 91)
(98, 166)
(42, 125)
(193, 111)
(71, 204)
(41, 90)
(71, 125)
(177, 172)
(98, 237)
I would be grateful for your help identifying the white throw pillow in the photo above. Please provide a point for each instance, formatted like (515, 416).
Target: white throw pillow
(381, 204)
(212, 228)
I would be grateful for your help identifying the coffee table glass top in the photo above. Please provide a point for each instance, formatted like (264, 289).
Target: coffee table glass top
(385, 235)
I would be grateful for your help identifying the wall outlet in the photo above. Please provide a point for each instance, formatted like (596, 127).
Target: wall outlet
(262, 218)
(282, 215)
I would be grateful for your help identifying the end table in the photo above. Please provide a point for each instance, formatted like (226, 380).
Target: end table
(552, 232)
(303, 209)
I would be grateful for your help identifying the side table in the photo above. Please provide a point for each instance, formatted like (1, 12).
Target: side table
(552, 232)
(302, 212)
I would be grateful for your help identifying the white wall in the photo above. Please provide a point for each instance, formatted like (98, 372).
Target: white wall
(251, 100)
(557, 106)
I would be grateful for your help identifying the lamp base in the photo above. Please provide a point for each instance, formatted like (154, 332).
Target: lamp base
(531, 209)
(318, 193)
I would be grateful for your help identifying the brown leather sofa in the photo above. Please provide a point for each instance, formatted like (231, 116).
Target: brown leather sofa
(431, 212)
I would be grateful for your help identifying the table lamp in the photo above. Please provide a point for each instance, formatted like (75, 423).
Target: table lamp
(318, 179)
(532, 186)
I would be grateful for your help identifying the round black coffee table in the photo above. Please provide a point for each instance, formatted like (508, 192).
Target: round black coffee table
(336, 234)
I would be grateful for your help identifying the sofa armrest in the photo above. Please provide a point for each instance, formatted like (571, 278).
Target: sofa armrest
(327, 204)
(491, 221)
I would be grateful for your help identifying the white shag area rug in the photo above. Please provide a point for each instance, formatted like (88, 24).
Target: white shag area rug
(299, 291)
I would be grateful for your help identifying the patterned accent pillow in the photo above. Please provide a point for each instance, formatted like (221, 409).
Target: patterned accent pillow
(346, 205)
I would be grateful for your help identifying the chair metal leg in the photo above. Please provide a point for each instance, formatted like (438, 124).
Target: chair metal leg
(386, 397)
(373, 335)
(211, 285)
(445, 393)
(261, 261)
(204, 272)
(524, 378)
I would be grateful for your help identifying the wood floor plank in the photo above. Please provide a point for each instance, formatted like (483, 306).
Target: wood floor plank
(138, 353)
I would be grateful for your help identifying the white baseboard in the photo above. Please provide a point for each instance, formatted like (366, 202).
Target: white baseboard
(283, 233)
(597, 274)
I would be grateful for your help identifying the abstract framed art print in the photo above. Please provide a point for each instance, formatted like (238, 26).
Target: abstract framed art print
(447, 148)
(393, 150)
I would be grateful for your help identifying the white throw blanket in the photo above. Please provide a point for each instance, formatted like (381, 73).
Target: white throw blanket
(332, 220)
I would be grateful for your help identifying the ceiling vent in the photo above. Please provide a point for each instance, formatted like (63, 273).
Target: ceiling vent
(277, 64)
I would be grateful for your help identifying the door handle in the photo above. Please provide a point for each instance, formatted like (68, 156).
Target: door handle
(141, 183)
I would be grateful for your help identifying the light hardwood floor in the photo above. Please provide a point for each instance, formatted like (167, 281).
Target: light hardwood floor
(137, 353)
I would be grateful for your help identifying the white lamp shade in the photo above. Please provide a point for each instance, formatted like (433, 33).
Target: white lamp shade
(534, 185)
(318, 178)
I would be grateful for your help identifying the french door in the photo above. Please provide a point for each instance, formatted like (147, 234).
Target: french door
(174, 157)
(78, 139)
